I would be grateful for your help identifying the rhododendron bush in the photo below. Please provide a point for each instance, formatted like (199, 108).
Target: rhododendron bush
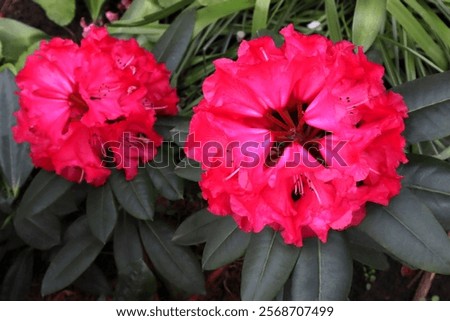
(168, 139)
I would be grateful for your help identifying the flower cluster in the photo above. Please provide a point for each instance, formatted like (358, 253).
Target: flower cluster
(298, 137)
(89, 107)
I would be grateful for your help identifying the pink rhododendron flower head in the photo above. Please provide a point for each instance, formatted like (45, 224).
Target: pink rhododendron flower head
(298, 137)
(82, 104)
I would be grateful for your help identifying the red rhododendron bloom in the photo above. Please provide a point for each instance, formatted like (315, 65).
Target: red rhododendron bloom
(298, 137)
(82, 104)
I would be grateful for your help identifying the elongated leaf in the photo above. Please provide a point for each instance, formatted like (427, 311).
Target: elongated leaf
(127, 244)
(161, 172)
(333, 20)
(94, 7)
(61, 12)
(368, 19)
(45, 189)
(71, 261)
(175, 263)
(18, 36)
(417, 32)
(35, 226)
(142, 12)
(101, 212)
(93, 281)
(432, 19)
(428, 101)
(15, 163)
(17, 281)
(323, 271)
(369, 257)
(268, 263)
(172, 45)
(260, 15)
(195, 229)
(225, 243)
(137, 282)
(137, 196)
(407, 229)
(189, 169)
(429, 179)
(218, 10)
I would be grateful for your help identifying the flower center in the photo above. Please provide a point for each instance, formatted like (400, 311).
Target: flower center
(288, 126)
(78, 106)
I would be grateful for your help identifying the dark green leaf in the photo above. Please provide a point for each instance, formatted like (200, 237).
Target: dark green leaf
(189, 169)
(41, 231)
(365, 250)
(429, 179)
(173, 43)
(71, 261)
(17, 281)
(334, 28)
(33, 224)
(225, 243)
(323, 271)
(94, 7)
(161, 171)
(428, 101)
(45, 189)
(60, 12)
(195, 228)
(369, 257)
(93, 281)
(101, 212)
(175, 263)
(136, 282)
(137, 196)
(409, 231)
(368, 19)
(15, 163)
(268, 263)
(18, 36)
(127, 244)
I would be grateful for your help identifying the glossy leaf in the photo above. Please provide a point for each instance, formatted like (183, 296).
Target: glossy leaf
(93, 281)
(36, 227)
(368, 19)
(225, 243)
(101, 212)
(136, 282)
(18, 36)
(71, 261)
(195, 229)
(94, 7)
(60, 12)
(136, 196)
(175, 263)
(15, 162)
(323, 271)
(172, 45)
(429, 179)
(127, 244)
(428, 101)
(17, 281)
(268, 263)
(408, 230)
(189, 169)
(161, 172)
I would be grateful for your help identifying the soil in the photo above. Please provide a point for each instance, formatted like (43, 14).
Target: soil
(223, 284)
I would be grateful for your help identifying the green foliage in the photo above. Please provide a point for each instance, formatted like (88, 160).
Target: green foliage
(61, 12)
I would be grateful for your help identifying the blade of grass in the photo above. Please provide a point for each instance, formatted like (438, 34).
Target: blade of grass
(417, 32)
(334, 28)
